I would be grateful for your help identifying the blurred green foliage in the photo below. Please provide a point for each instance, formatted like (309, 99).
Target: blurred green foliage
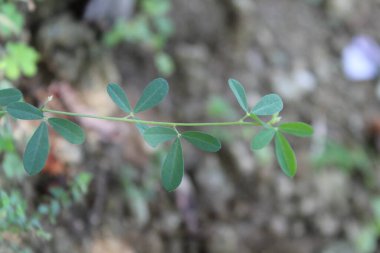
(366, 241)
(18, 59)
(140, 192)
(150, 27)
(19, 218)
(14, 217)
(218, 108)
(11, 20)
(351, 160)
(340, 156)
(11, 162)
(64, 198)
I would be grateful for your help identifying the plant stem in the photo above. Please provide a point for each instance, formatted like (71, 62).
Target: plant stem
(155, 123)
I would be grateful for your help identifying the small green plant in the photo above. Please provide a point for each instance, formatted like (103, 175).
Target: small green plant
(18, 218)
(16, 58)
(64, 198)
(157, 132)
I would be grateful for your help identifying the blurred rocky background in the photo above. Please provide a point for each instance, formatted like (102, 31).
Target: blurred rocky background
(321, 56)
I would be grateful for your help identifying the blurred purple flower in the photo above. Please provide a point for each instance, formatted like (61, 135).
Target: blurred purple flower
(106, 12)
(361, 59)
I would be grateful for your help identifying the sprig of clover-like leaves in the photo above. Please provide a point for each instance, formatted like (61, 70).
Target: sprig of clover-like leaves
(157, 132)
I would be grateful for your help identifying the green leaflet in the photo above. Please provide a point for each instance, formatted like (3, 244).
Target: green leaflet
(72, 132)
(119, 97)
(37, 150)
(299, 129)
(141, 128)
(172, 170)
(285, 155)
(157, 135)
(268, 105)
(21, 110)
(239, 93)
(202, 141)
(262, 138)
(10, 95)
(152, 95)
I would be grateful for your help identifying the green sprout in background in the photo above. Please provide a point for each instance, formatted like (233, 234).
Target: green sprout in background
(18, 59)
(16, 216)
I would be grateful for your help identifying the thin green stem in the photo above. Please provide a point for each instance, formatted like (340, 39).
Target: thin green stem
(244, 117)
(178, 133)
(155, 123)
(258, 120)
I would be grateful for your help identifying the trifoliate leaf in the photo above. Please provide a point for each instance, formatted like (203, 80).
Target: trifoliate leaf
(152, 95)
(268, 105)
(157, 135)
(172, 170)
(202, 141)
(37, 150)
(119, 97)
(297, 128)
(262, 138)
(239, 93)
(21, 110)
(72, 132)
(285, 155)
(10, 95)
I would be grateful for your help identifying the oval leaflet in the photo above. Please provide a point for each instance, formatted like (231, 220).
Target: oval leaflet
(72, 132)
(25, 111)
(37, 150)
(119, 97)
(172, 170)
(299, 129)
(285, 155)
(202, 141)
(239, 93)
(268, 105)
(262, 138)
(157, 135)
(10, 95)
(152, 95)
